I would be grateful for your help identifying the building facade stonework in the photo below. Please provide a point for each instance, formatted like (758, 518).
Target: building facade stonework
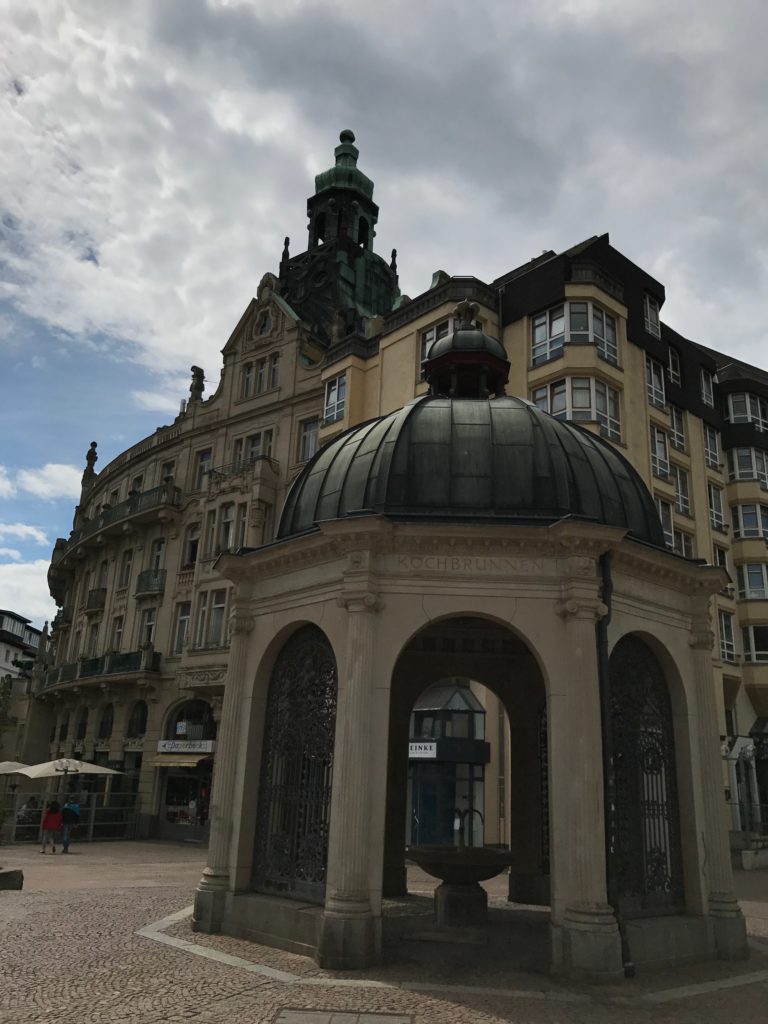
(165, 639)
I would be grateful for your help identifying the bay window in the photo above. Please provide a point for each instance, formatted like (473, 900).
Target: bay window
(755, 639)
(748, 408)
(574, 323)
(748, 464)
(752, 578)
(749, 520)
(581, 399)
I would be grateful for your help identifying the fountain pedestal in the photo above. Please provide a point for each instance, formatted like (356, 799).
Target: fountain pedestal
(460, 902)
(461, 906)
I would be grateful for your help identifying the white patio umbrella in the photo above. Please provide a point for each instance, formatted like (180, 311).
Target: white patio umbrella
(64, 766)
(9, 767)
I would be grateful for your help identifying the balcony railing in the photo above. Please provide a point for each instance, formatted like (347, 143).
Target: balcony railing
(209, 645)
(62, 618)
(165, 494)
(106, 664)
(96, 599)
(150, 581)
(243, 465)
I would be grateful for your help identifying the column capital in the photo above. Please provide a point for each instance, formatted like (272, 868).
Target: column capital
(581, 608)
(241, 623)
(359, 601)
(701, 637)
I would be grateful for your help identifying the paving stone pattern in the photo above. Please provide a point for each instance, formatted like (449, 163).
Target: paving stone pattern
(70, 954)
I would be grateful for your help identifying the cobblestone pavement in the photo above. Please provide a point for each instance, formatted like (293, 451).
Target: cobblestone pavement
(71, 952)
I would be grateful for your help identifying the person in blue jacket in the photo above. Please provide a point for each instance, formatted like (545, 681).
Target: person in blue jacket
(70, 816)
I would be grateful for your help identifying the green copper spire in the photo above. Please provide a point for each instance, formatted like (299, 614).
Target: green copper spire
(345, 174)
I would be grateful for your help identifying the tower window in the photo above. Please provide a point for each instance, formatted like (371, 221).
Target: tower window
(363, 231)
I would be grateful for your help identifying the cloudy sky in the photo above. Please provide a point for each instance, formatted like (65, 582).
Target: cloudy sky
(155, 152)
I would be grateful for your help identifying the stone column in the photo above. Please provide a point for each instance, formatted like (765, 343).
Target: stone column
(724, 911)
(214, 884)
(350, 936)
(585, 935)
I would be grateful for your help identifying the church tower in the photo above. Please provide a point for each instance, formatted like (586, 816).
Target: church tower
(339, 275)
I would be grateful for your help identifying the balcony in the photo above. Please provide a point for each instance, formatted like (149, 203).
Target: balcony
(141, 507)
(150, 581)
(128, 663)
(62, 619)
(96, 599)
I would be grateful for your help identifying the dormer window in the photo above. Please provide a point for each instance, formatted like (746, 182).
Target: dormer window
(675, 377)
(574, 323)
(708, 388)
(652, 323)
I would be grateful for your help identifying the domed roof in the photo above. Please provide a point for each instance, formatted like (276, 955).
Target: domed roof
(467, 339)
(495, 460)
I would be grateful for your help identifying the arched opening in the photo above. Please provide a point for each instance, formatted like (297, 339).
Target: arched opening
(64, 727)
(106, 722)
(186, 765)
(81, 726)
(646, 847)
(363, 232)
(292, 819)
(468, 757)
(319, 229)
(137, 723)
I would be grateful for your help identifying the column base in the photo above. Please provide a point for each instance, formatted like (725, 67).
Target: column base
(348, 942)
(210, 897)
(728, 926)
(587, 944)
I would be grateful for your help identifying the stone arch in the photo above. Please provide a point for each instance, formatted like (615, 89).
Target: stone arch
(197, 713)
(646, 839)
(137, 720)
(488, 650)
(294, 802)
(106, 722)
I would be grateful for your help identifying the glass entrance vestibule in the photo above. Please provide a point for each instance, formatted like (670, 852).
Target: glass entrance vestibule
(447, 755)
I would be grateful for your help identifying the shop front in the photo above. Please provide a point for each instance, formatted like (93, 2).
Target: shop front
(185, 763)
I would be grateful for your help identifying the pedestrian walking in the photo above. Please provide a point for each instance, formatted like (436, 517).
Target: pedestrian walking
(51, 824)
(70, 816)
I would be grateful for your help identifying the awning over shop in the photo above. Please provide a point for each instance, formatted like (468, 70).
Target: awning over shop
(180, 760)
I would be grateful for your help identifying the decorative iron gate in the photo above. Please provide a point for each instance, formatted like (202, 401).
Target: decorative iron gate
(646, 843)
(297, 763)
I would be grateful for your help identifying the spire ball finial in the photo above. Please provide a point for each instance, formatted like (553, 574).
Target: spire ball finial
(347, 136)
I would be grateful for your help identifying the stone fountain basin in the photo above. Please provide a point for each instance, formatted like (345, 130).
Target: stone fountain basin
(460, 865)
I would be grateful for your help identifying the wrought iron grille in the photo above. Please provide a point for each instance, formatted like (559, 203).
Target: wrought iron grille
(646, 849)
(297, 763)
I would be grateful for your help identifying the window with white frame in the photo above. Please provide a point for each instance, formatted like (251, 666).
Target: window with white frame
(181, 632)
(659, 453)
(437, 331)
(682, 543)
(748, 464)
(664, 509)
(727, 642)
(582, 399)
(752, 579)
(548, 335)
(578, 323)
(682, 490)
(274, 370)
(716, 518)
(246, 389)
(651, 315)
(307, 439)
(216, 622)
(755, 639)
(241, 524)
(125, 568)
(711, 446)
(147, 630)
(335, 398)
(226, 526)
(203, 467)
(708, 387)
(677, 428)
(747, 408)
(654, 379)
(720, 556)
(261, 375)
(749, 520)
(673, 368)
(117, 632)
(191, 544)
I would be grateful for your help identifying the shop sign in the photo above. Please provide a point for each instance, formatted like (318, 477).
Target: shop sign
(185, 746)
(422, 750)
